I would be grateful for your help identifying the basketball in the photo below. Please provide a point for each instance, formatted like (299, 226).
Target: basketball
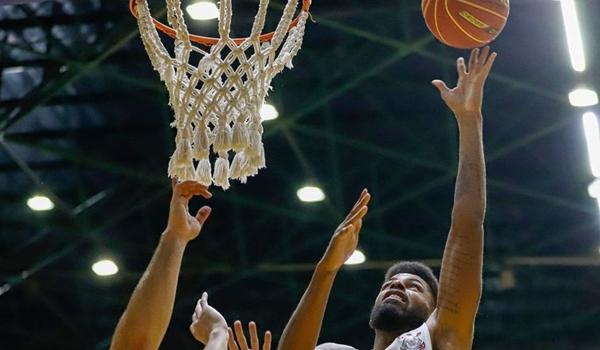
(465, 24)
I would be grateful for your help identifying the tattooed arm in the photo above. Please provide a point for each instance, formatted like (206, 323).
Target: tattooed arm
(452, 323)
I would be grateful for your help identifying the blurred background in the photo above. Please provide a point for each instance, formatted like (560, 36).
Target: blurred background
(85, 141)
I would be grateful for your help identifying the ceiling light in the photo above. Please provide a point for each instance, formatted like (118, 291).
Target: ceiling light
(268, 112)
(40, 203)
(592, 137)
(203, 10)
(356, 258)
(583, 98)
(14, 70)
(594, 189)
(310, 194)
(105, 268)
(573, 34)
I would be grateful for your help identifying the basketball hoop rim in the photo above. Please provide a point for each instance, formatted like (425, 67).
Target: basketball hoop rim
(209, 41)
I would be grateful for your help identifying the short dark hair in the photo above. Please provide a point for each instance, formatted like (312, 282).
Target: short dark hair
(415, 268)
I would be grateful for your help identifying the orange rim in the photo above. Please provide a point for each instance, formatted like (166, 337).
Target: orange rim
(209, 41)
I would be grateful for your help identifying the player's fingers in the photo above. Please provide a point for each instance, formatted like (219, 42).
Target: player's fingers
(344, 230)
(441, 86)
(484, 56)
(253, 336)
(461, 68)
(359, 215)
(239, 334)
(199, 190)
(490, 63)
(231, 344)
(358, 202)
(203, 214)
(473, 60)
(364, 199)
(357, 228)
(267, 341)
(204, 300)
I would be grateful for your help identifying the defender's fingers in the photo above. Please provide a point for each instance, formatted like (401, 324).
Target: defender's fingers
(359, 215)
(239, 334)
(364, 198)
(267, 341)
(253, 336)
(231, 344)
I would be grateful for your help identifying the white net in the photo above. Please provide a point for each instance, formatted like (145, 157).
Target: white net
(217, 101)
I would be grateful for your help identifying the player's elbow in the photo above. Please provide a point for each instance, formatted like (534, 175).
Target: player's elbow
(468, 218)
(467, 213)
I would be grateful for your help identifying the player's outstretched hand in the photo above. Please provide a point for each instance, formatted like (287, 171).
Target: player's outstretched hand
(467, 97)
(205, 320)
(181, 223)
(345, 238)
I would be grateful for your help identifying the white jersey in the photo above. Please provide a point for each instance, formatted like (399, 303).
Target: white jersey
(417, 339)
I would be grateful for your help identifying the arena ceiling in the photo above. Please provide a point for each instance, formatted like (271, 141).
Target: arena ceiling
(84, 120)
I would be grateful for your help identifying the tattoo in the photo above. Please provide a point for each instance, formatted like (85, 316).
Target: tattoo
(457, 260)
(470, 181)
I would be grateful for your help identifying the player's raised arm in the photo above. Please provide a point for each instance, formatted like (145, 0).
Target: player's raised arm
(460, 277)
(303, 328)
(147, 316)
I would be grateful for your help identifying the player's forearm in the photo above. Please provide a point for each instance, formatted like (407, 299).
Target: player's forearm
(148, 313)
(469, 195)
(217, 340)
(303, 328)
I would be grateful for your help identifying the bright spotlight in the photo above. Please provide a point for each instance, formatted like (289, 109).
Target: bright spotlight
(592, 136)
(40, 203)
(594, 189)
(310, 194)
(573, 34)
(356, 258)
(203, 10)
(583, 98)
(105, 268)
(268, 112)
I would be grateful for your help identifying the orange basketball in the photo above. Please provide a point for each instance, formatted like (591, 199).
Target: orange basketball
(465, 24)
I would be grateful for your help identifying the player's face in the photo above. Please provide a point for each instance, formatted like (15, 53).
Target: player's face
(404, 301)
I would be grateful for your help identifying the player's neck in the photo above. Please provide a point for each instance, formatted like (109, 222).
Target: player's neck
(383, 339)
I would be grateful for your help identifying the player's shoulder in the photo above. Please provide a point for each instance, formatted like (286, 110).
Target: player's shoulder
(334, 346)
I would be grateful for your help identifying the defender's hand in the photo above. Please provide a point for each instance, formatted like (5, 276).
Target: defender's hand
(345, 238)
(241, 338)
(205, 320)
(466, 98)
(181, 223)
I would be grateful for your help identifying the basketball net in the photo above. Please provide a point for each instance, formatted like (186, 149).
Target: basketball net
(217, 102)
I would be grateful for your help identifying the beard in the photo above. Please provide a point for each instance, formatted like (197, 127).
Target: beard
(388, 317)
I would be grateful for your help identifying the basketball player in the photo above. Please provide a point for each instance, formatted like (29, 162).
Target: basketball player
(146, 318)
(409, 312)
